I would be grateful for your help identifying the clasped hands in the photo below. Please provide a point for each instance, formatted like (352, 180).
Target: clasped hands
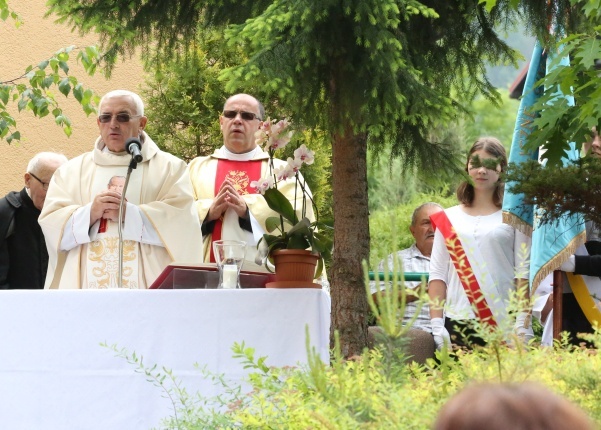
(106, 205)
(227, 197)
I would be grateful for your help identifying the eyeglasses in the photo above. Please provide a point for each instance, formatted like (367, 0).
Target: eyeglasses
(121, 117)
(44, 184)
(246, 116)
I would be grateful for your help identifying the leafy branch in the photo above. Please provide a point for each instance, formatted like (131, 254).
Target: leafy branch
(33, 89)
(6, 12)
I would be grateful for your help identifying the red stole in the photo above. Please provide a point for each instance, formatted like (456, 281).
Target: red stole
(241, 174)
(441, 221)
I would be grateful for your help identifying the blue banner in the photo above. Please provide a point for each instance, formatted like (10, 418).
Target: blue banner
(552, 243)
(515, 212)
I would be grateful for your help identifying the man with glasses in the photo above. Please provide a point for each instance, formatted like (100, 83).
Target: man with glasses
(23, 254)
(228, 207)
(159, 222)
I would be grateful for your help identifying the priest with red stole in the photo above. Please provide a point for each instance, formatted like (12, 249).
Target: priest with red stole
(228, 207)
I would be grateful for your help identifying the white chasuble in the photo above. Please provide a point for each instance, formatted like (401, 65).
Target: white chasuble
(160, 190)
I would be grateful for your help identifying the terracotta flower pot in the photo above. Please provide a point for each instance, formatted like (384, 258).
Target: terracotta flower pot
(294, 268)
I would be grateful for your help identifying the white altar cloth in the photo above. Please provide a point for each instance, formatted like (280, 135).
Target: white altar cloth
(55, 375)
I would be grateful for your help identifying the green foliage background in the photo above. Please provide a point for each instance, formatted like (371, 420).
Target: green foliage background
(390, 227)
(394, 191)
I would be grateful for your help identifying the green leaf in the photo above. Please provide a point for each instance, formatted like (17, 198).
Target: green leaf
(272, 223)
(322, 244)
(298, 242)
(4, 94)
(78, 92)
(47, 82)
(22, 104)
(589, 51)
(43, 65)
(279, 203)
(64, 66)
(64, 86)
(54, 65)
(14, 136)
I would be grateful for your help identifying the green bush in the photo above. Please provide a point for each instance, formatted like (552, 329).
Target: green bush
(380, 389)
(389, 228)
(367, 393)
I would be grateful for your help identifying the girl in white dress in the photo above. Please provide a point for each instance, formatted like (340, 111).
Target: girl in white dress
(498, 254)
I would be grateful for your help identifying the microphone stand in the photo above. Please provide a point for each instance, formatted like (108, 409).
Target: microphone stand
(132, 165)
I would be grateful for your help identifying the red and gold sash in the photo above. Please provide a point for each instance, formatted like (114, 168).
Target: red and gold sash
(241, 173)
(468, 280)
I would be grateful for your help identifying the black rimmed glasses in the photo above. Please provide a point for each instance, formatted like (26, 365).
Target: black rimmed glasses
(120, 117)
(246, 116)
(44, 184)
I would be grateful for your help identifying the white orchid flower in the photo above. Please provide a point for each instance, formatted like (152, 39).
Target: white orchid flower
(304, 154)
(262, 184)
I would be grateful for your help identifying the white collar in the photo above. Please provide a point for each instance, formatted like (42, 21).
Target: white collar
(226, 153)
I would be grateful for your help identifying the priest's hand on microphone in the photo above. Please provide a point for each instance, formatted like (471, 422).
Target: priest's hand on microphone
(113, 214)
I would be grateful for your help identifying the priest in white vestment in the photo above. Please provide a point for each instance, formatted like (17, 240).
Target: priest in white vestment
(80, 216)
(228, 207)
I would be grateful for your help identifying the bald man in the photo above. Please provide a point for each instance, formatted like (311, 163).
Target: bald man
(228, 207)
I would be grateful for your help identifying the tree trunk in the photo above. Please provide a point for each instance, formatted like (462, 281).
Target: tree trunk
(351, 241)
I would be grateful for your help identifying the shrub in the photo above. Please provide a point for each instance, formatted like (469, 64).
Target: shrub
(381, 389)
(389, 228)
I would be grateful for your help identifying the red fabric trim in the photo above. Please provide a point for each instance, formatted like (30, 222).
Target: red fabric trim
(468, 280)
(103, 226)
(241, 173)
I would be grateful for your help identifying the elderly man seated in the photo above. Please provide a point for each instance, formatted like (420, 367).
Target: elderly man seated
(416, 258)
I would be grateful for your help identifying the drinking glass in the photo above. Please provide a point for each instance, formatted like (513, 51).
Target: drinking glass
(229, 256)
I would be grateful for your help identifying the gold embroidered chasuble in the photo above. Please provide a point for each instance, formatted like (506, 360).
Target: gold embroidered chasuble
(159, 186)
(203, 171)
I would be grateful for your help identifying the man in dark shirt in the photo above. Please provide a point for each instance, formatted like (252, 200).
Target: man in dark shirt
(23, 253)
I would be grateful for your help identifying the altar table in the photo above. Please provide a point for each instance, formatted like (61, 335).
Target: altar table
(54, 373)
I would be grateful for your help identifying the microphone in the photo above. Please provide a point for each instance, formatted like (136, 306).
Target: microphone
(133, 146)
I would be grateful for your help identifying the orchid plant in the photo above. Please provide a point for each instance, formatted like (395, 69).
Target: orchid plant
(288, 230)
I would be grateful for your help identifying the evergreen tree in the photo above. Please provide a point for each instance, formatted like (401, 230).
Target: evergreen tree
(369, 72)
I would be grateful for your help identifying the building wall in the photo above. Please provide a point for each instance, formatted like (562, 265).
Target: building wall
(36, 40)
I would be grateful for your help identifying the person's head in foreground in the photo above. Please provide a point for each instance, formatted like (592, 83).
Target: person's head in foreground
(525, 406)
